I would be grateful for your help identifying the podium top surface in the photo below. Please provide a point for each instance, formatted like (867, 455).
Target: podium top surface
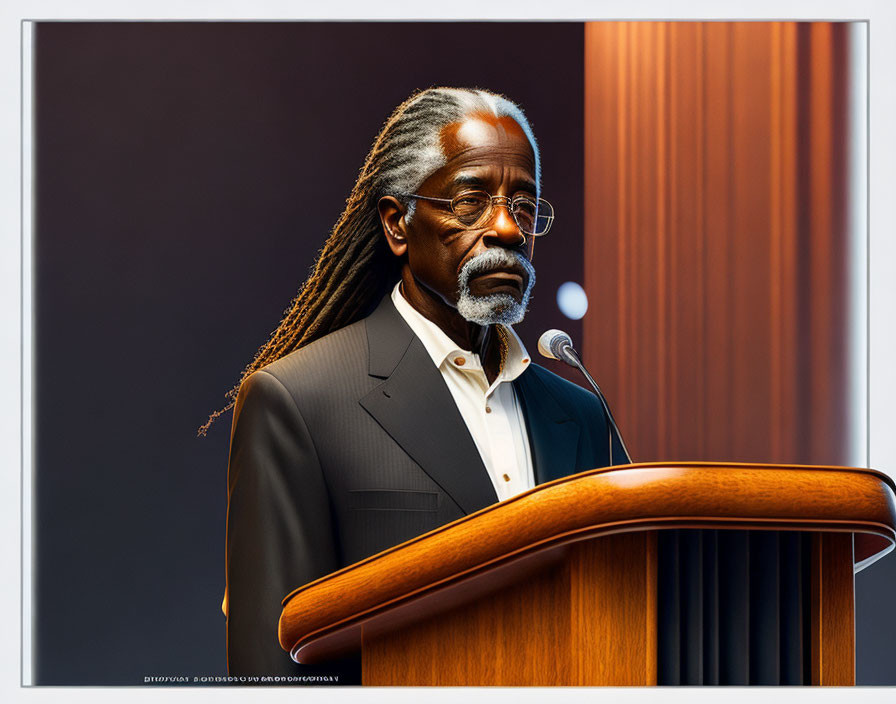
(591, 504)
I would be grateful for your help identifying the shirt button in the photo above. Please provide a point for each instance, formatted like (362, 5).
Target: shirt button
(488, 409)
(506, 478)
(526, 360)
(460, 361)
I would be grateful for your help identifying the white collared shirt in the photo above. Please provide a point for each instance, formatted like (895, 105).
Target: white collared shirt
(492, 413)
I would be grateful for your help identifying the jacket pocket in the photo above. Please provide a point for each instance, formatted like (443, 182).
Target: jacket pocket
(392, 500)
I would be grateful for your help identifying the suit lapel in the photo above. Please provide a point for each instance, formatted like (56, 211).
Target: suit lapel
(553, 434)
(414, 405)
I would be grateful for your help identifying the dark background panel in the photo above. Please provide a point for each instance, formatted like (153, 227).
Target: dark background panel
(876, 623)
(186, 176)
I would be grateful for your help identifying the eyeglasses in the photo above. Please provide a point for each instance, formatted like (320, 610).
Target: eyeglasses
(534, 216)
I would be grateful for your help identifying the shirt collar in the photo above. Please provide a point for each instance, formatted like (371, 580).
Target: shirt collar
(442, 349)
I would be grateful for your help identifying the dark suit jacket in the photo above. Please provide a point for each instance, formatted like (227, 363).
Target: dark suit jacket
(354, 444)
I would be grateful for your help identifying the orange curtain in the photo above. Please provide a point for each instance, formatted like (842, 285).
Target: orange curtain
(716, 237)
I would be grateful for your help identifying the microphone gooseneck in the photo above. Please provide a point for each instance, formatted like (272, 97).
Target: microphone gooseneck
(556, 344)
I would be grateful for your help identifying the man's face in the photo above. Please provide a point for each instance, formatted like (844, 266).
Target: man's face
(483, 153)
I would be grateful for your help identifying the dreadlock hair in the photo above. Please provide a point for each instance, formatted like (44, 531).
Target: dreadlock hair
(355, 268)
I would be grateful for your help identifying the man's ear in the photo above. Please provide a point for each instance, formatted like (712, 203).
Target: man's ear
(392, 218)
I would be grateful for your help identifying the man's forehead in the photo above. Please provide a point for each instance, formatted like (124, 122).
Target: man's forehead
(483, 131)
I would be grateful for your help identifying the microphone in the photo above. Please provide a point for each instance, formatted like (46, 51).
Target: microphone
(556, 344)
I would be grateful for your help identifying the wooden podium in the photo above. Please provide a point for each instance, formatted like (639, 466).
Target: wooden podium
(691, 573)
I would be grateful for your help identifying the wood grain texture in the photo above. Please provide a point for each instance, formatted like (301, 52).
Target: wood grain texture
(601, 502)
(832, 626)
(613, 605)
(717, 237)
(586, 622)
(518, 636)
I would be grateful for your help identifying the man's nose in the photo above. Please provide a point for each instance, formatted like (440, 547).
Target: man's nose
(503, 227)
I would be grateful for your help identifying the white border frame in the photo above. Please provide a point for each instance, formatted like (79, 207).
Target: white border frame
(27, 325)
(15, 308)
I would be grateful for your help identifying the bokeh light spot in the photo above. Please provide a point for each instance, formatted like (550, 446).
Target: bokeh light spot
(572, 300)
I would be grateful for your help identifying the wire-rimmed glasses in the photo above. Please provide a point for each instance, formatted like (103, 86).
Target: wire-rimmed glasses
(534, 216)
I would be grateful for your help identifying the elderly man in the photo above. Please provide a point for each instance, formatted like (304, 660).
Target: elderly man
(395, 397)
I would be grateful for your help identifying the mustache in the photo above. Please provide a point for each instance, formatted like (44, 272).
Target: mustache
(495, 259)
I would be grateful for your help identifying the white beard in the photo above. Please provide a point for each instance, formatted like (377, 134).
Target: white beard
(497, 307)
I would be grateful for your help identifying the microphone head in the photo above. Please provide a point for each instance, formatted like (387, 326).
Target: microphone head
(552, 342)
